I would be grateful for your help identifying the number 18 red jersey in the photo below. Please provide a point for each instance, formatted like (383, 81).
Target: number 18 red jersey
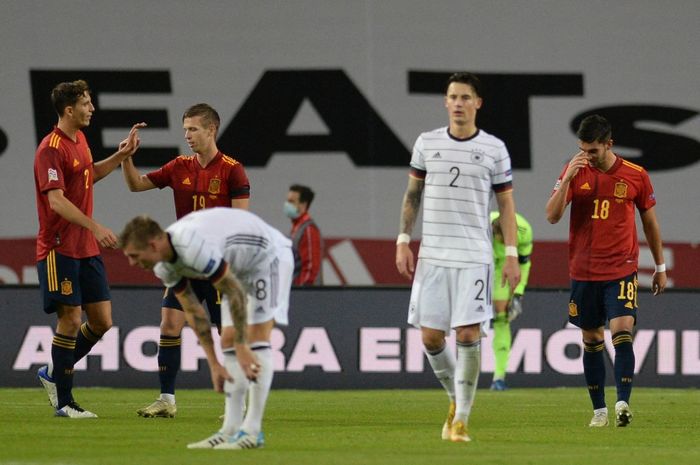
(602, 230)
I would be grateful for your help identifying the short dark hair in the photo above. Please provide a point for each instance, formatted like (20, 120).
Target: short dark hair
(67, 94)
(306, 195)
(594, 128)
(206, 112)
(139, 231)
(465, 78)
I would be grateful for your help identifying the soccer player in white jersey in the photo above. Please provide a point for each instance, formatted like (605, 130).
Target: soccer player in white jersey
(458, 167)
(251, 264)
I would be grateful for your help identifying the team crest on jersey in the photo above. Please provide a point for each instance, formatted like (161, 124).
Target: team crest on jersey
(53, 174)
(66, 287)
(477, 156)
(573, 309)
(215, 186)
(620, 190)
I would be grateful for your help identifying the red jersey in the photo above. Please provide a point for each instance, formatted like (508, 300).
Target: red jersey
(602, 231)
(308, 246)
(60, 163)
(195, 187)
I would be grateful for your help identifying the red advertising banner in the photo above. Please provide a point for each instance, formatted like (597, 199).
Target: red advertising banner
(366, 262)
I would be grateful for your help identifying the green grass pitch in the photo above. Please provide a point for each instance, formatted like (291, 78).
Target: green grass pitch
(519, 426)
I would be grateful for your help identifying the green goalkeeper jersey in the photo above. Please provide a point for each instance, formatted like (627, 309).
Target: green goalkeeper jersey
(524, 246)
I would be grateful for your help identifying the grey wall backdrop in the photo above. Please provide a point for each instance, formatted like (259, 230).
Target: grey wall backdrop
(545, 62)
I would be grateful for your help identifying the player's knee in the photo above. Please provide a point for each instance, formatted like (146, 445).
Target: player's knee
(101, 326)
(69, 324)
(169, 328)
(172, 321)
(433, 342)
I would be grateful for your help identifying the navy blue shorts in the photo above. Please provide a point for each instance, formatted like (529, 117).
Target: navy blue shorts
(72, 281)
(593, 303)
(205, 292)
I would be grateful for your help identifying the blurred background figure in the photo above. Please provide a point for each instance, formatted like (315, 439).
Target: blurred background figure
(306, 237)
(506, 306)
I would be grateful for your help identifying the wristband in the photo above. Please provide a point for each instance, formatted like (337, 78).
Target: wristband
(660, 268)
(511, 251)
(403, 239)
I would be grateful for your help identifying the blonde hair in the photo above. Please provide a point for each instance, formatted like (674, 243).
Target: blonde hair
(139, 231)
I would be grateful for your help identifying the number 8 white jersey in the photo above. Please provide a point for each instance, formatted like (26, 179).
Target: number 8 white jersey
(460, 176)
(202, 240)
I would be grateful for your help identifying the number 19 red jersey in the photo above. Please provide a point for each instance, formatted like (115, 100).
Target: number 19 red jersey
(602, 230)
(196, 187)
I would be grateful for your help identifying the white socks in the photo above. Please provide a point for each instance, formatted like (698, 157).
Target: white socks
(169, 398)
(466, 378)
(257, 391)
(443, 364)
(235, 394)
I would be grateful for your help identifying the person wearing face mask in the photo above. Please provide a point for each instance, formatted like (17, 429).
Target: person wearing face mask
(306, 237)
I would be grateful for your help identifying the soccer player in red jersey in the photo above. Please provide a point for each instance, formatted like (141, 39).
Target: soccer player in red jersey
(72, 277)
(203, 180)
(604, 191)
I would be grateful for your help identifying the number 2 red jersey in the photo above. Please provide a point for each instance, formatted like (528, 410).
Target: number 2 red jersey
(60, 163)
(195, 187)
(602, 230)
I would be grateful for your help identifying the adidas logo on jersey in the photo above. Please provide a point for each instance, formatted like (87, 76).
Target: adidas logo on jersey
(437, 155)
(585, 187)
(187, 182)
(259, 310)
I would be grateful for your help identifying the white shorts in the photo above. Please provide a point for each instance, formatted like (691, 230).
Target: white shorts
(444, 298)
(268, 292)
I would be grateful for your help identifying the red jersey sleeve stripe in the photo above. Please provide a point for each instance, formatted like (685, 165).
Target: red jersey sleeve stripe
(632, 165)
(240, 193)
(55, 141)
(416, 173)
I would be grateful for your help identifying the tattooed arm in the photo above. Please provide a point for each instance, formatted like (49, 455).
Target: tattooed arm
(199, 322)
(231, 287)
(409, 213)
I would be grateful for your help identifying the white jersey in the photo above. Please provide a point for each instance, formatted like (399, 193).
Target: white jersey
(460, 176)
(204, 239)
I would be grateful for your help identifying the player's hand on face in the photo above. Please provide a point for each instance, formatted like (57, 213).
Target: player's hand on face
(404, 261)
(219, 376)
(248, 362)
(580, 160)
(658, 283)
(105, 237)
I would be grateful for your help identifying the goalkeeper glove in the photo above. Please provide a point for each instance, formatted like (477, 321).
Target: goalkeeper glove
(515, 308)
